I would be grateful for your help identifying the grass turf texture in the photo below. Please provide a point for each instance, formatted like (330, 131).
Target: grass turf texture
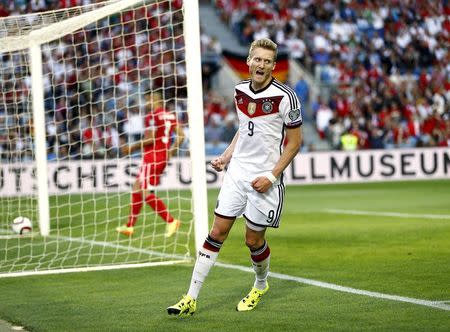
(402, 256)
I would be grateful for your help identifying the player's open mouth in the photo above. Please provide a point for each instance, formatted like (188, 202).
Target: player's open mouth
(259, 73)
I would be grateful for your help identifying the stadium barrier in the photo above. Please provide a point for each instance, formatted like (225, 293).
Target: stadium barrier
(307, 168)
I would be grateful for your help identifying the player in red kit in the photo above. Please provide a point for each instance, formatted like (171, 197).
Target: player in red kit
(158, 146)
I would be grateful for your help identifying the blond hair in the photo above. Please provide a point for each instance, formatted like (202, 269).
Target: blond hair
(264, 43)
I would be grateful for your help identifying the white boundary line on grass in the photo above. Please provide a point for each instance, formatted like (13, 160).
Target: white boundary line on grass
(11, 235)
(386, 214)
(433, 304)
(178, 258)
(88, 269)
(8, 237)
(105, 244)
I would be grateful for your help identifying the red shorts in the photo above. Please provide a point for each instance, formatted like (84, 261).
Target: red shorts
(150, 173)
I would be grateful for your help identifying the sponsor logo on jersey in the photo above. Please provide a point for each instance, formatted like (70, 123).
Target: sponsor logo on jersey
(294, 114)
(267, 107)
(251, 108)
(240, 101)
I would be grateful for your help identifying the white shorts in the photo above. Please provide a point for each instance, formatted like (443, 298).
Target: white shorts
(261, 210)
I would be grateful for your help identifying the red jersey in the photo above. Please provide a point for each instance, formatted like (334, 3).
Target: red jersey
(163, 123)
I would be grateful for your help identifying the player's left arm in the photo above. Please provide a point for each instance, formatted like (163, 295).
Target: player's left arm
(179, 138)
(294, 140)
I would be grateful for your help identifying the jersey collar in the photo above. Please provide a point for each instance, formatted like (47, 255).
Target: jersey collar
(260, 90)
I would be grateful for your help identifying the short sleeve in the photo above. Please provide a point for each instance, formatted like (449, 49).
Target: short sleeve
(291, 111)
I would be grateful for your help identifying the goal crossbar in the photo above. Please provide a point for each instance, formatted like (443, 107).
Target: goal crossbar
(56, 30)
(59, 29)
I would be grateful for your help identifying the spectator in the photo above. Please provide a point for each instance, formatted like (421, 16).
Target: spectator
(389, 61)
(229, 128)
(349, 142)
(214, 144)
(334, 132)
(133, 126)
(302, 90)
(111, 141)
(3, 10)
(323, 116)
(91, 140)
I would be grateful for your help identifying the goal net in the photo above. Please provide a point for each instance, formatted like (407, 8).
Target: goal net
(75, 86)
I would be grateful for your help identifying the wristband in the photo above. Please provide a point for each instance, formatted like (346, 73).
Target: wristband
(270, 176)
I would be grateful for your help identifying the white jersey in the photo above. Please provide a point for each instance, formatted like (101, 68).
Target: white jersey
(263, 114)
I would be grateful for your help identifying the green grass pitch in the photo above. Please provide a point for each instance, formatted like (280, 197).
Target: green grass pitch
(391, 238)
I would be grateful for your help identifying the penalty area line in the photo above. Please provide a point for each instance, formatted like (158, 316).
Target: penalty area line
(387, 214)
(433, 304)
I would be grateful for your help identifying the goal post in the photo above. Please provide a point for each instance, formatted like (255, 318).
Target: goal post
(195, 106)
(81, 75)
(40, 138)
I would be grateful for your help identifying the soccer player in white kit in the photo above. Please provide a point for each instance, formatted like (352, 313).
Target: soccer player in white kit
(253, 186)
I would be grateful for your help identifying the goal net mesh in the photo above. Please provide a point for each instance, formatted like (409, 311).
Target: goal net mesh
(95, 82)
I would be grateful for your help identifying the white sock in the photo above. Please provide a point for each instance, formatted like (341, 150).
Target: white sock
(205, 261)
(261, 267)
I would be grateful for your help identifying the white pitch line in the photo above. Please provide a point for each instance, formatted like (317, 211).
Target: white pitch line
(9, 234)
(387, 214)
(179, 259)
(8, 237)
(89, 269)
(427, 303)
(118, 246)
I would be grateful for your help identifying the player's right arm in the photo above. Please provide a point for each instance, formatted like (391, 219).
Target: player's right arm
(179, 138)
(220, 162)
(149, 139)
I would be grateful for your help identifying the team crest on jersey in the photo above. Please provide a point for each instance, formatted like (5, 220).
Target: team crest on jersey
(267, 107)
(240, 101)
(251, 108)
(294, 114)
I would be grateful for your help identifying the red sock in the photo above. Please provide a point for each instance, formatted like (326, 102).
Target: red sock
(159, 207)
(135, 208)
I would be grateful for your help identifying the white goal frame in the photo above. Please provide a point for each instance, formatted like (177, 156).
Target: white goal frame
(33, 42)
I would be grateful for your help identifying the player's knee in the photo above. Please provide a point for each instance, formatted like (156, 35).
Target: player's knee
(254, 243)
(218, 235)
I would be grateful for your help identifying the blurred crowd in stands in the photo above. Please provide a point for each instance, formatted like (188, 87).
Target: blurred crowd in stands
(95, 80)
(385, 64)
